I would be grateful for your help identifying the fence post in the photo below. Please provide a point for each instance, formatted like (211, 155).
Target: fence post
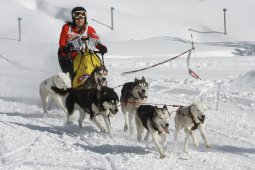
(218, 95)
(19, 20)
(112, 17)
(225, 25)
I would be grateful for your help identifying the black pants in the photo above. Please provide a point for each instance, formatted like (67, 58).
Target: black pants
(66, 64)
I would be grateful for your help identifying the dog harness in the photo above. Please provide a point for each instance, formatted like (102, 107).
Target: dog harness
(191, 116)
(155, 127)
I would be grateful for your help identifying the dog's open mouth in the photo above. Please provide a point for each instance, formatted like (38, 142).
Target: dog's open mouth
(100, 82)
(202, 119)
(165, 128)
(142, 95)
(112, 112)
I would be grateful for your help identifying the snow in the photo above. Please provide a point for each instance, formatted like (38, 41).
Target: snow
(145, 32)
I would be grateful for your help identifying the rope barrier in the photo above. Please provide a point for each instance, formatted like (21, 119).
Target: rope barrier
(118, 86)
(134, 71)
(172, 105)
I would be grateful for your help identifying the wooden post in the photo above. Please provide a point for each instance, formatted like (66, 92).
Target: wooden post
(225, 25)
(112, 17)
(19, 20)
(218, 95)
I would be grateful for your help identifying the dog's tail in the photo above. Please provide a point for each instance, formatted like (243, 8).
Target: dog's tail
(61, 92)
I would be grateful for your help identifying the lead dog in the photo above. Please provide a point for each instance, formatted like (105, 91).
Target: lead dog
(97, 78)
(155, 120)
(61, 81)
(133, 94)
(191, 118)
(92, 101)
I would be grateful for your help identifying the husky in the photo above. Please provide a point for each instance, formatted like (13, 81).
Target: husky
(61, 81)
(191, 118)
(95, 102)
(97, 78)
(155, 120)
(133, 94)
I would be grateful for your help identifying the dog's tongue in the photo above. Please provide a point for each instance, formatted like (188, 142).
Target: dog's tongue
(100, 83)
(166, 130)
(142, 95)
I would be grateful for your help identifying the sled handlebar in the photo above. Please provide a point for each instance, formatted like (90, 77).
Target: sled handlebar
(84, 39)
(98, 52)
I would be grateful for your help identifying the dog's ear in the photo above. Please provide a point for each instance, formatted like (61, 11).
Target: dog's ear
(193, 104)
(156, 108)
(200, 99)
(136, 80)
(195, 101)
(105, 72)
(143, 79)
(203, 100)
(59, 74)
(165, 108)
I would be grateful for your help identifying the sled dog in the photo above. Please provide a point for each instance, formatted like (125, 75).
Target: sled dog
(155, 120)
(61, 81)
(191, 118)
(132, 95)
(97, 78)
(92, 101)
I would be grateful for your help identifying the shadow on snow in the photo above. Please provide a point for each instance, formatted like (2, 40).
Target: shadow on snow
(234, 149)
(114, 149)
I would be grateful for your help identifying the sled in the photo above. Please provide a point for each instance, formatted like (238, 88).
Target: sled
(84, 63)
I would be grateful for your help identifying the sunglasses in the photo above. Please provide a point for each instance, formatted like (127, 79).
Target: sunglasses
(79, 14)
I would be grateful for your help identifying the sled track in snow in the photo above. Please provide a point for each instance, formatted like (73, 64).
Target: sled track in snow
(13, 63)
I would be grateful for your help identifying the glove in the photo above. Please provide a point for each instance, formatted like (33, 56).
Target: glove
(67, 48)
(102, 49)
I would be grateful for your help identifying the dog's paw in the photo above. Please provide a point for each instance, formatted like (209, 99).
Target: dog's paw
(185, 151)
(103, 130)
(139, 137)
(80, 124)
(162, 156)
(125, 128)
(146, 138)
(208, 145)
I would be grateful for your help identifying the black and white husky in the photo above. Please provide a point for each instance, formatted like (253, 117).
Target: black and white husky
(191, 118)
(97, 78)
(61, 81)
(92, 101)
(133, 94)
(155, 120)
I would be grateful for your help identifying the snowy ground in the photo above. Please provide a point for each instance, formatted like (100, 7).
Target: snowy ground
(30, 140)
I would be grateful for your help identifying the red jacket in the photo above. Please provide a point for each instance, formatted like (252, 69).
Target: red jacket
(68, 32)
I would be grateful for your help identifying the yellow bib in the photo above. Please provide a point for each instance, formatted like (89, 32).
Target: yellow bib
(83, 66)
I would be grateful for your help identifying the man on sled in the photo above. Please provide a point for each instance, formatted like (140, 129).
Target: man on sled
(76, 47)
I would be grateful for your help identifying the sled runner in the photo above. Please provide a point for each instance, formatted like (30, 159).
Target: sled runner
(86, 60)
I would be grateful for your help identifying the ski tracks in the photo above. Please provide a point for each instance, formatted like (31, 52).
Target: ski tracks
(13, 63)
